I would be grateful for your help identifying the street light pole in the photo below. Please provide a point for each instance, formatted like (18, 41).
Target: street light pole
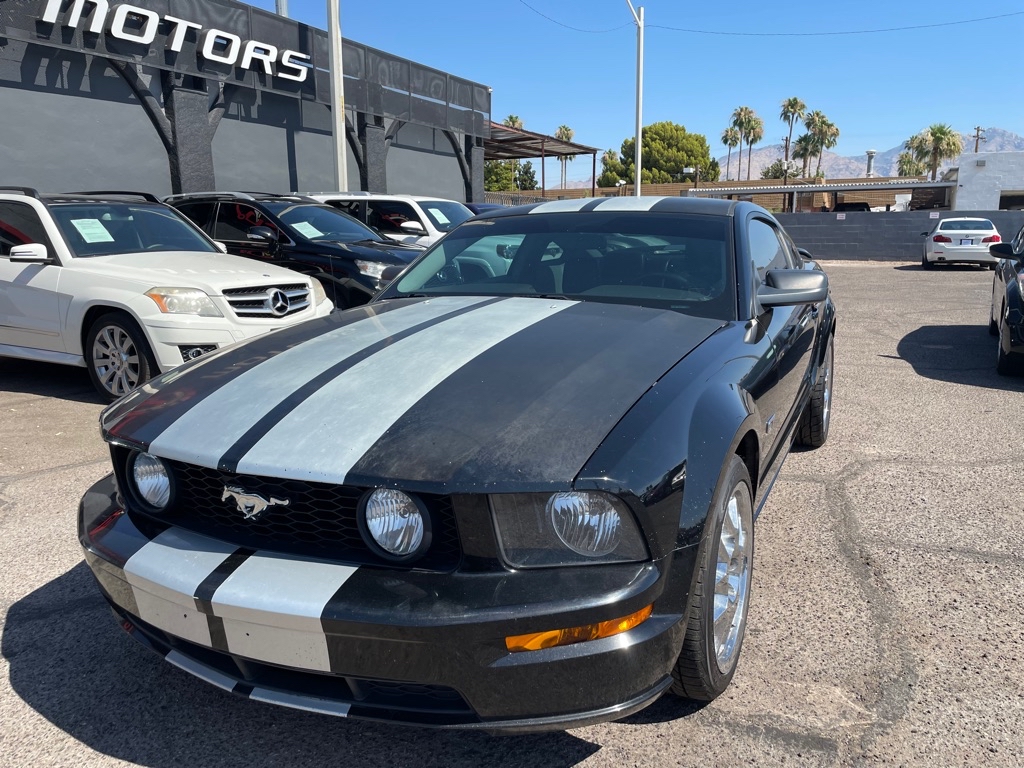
(337, 94)
(282, 8)
(639, 19)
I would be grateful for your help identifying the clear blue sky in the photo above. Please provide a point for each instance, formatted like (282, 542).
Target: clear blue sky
(877, 88)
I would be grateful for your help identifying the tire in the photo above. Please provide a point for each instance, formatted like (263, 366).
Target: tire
(925, 264)
(993, 327)
(1008, 364)
(117, 355)
(708, 660)
(814, 421)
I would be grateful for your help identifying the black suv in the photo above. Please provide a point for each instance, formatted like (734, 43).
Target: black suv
(300, 233)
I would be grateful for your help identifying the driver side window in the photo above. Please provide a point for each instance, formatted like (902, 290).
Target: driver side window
(767, 249)
(234, 220)
(20, 225)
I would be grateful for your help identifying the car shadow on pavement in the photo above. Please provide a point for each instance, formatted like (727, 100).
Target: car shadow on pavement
(29, 377)
(71, 663)
(960, 354)
(939, 268)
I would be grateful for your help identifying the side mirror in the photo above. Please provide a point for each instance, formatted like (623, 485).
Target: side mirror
(924, 234)
(999, 250)
(391, 273)
(412, 228)
(220, 246)
(805, 254)
(32, 253)
(789, 287)
(262, 234)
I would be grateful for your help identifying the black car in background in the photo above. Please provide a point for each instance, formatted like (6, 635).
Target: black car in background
(515, 496)
(1006, 317)
(297, 232)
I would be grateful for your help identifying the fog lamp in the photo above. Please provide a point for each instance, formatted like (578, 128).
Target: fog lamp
(396, 523)
(151, 480)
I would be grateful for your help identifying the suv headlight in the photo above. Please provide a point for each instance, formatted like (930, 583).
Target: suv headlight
(374, 269)
(319, 294)
(184, 301)
(536, 530)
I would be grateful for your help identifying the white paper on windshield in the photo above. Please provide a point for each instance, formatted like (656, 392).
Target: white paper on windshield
(307, 229)
(441, 218)
(92, 230)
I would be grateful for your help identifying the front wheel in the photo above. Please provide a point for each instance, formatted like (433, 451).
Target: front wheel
(721, 595)
(1008, 364)
(118, 355)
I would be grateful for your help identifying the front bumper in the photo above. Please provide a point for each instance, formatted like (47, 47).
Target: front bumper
(398, 646)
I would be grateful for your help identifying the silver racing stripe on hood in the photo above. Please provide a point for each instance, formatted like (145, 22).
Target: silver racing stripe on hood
(214, 424)
(330, 431)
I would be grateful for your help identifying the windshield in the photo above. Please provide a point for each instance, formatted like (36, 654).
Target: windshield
(445, 215)
(321, 222)
(965, 225)
(669, 261)
(105, 229)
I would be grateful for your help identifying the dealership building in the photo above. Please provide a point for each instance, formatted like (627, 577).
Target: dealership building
(195, 95)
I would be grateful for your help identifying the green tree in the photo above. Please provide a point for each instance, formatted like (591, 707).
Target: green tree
(755, 132)
(513, 121)
(499, 176)
(526, 178)
(908, 165)
(776, 170)
(564, 133)
(934, 144)
(741, 118)
(668, 148)
(731, 139)
(803, 150)
(793, 111)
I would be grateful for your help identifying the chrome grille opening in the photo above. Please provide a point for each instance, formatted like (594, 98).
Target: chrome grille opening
(271, 301)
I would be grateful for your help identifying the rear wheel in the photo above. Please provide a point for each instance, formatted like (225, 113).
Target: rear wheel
(925, 264)
(117, 354)
(721, 595)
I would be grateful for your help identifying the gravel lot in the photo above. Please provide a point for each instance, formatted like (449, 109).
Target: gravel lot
(886, 624)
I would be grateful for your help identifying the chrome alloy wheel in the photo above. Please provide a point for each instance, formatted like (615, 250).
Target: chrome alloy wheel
(826, 394)
(116, 360)
(732, 577)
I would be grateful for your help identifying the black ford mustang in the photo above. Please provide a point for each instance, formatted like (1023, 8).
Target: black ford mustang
(514, 492)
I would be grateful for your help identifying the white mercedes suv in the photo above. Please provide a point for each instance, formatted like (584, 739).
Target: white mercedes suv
(125, 286)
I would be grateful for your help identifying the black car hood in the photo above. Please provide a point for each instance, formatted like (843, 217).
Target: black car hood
(451, 394)
(369, 249)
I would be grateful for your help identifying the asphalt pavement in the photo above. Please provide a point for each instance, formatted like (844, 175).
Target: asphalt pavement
(886, 625)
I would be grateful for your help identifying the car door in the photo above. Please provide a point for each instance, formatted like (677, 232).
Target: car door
(232, 225)
(387, 217)
(29, 301)
(790, 330)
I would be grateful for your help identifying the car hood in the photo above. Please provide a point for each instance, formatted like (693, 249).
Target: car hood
(446, 395)
(389, 252)
(210, 272)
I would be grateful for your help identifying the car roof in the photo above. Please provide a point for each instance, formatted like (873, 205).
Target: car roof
(111, 196)
(693, 205)
(252, 197)
(382, 196)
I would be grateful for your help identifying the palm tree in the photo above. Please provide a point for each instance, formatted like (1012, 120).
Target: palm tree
(908, 165)
(564, 133)
(755, 132)
(815, 122)
(803, 149)
(793, 112)
(936, 143)
(513, 121)
(828, 137)
(731, 139)
(741, 117)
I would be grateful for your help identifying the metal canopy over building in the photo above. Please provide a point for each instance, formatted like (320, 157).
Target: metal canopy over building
(505, 143)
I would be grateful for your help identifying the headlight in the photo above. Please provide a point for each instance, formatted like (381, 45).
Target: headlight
(319, 294)
(574, 528)
(184, 301)
(395, 524)
(150, 480)
(374, 269)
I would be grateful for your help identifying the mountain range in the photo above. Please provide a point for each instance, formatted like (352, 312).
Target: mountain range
(853, 167)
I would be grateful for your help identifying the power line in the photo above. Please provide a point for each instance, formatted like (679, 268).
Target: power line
(830, 34)
(576, 29)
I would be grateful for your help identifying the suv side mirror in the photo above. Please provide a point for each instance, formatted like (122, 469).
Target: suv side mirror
(999, 250)
(32, 253)
(412, 228)
(263, 234)
(789, 287)
(390, 273)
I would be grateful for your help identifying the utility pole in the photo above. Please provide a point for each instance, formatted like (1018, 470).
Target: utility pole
(282, 8)
(978, 137)
(639, 19)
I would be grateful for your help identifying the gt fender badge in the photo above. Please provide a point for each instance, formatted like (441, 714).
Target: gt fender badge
(251, 505)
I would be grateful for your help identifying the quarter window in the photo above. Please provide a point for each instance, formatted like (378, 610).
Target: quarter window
(388, 216)
(20, 225)
(766, 249)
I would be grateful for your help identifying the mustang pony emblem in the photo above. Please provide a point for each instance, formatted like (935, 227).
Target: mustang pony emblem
(251, 505)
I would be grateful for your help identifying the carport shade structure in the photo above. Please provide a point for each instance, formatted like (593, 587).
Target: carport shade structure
(507, 143)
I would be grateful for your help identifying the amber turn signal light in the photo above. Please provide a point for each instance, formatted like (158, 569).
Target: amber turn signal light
(536, 641)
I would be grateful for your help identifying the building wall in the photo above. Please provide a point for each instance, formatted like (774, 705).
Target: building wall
(882, 236)
(980, 186)
(421, 161)
(69, 122)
